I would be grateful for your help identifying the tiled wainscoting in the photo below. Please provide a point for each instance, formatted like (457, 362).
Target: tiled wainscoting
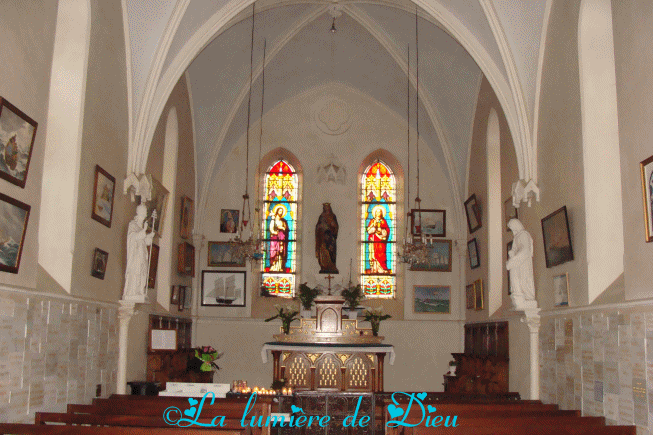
(53, 351)
(600, 362)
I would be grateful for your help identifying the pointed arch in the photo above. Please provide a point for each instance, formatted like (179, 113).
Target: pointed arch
(494, 224)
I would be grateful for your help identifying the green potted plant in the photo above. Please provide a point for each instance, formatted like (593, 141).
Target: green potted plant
(375, 316)
(287, 314)
(306, 296)
(353, 296)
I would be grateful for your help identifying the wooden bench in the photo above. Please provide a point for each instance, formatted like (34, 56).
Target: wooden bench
(28, 429)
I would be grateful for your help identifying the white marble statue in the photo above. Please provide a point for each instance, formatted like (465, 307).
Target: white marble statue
(520, 265)
(138, 239)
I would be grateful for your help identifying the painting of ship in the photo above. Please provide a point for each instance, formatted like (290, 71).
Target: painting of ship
(17, 133)
(223, 288)
(11, 153)
(13, 222)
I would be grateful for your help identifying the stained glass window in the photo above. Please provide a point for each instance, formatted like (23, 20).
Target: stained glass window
(378, 231)
(279, 229)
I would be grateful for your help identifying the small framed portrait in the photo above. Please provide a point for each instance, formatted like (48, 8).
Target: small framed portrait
(229, 221)
(646, 167)
(561, 290)
(428, 222)
(223, 254)
(17, 133)
(182, 298)
(469, 297)
(509, 211)
(473, 212)
(186, 259)
(439, 252)
(432, 299)
(478, 294)
(472, 251)
(186, 221)
(103, 190)
(223, 288)
(154, 265)
(99, 263)
(14, 216)
(557, 238)
(174, 295)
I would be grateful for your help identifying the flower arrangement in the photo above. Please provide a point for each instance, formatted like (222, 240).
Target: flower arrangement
(353, 296)
(307, 295)
(287, 314)
(375, 316)
(207, 354)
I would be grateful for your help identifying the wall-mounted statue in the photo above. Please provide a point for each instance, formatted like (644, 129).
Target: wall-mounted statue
(138, 239)
(326, 234)
(520, 265)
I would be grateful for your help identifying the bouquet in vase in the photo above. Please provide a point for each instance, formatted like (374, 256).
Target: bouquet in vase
(207, 355)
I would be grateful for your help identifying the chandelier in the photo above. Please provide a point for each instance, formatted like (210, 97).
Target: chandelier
(414, 248)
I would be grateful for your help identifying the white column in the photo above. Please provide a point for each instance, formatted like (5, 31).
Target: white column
(125, 313)
(532, 320)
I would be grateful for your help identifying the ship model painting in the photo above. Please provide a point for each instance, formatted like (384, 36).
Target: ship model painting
(17, 133)
(223, 288)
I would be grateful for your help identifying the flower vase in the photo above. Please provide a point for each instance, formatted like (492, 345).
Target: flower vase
(307, 314)
(375, 327)
(286, 327)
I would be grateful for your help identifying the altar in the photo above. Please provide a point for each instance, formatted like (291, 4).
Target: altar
(329, 353)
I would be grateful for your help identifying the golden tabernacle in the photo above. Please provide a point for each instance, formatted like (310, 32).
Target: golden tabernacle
(329, 352)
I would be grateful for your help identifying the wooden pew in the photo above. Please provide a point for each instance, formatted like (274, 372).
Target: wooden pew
(29, 429)
(533, 430)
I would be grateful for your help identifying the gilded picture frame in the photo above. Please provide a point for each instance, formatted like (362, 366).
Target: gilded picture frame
(646, 169)
(17, 135)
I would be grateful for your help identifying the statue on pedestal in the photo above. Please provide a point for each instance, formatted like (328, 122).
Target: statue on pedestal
(326, 234)
(520, 265)
(138, 239)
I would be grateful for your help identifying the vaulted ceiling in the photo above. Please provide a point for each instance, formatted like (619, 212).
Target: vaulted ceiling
(459, 42)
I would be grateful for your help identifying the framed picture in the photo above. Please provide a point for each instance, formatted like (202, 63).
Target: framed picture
(186, 222)
(508, 248)
(182, 298)
(99, 264)
(561, 290)
(432, 299)
(188, 297)
(17, 133)
(174, 294)
(557, 239)
(428, 222)
(439, 257)
(13, 224)
(158, 202)
(647, 193)
(154, 265)
(472, 250)
(223, 254)
(229, 221)
(469, 297)
(478, 294)
(509, 211)
(186, 259)
(223, 288)
(473, 212)
(103, 190)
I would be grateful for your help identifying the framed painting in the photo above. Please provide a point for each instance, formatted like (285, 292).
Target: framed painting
(439, 252)
(472, 251)
(478, 294)
(188, 297)
(469, 297)
(646, 168)
(509, 211)
(174, 295)
(99, 263)
(182, 298)
(103, 191)
(428, 222)
(223, 288)
(186, 221)
(223, 254)
(432, 299)
(14, 216)
(17, 133)
(157, 202)
(186, 259)
(561, 290)
(154, 265)
(473, 212)
(557, 238)
(229, 220)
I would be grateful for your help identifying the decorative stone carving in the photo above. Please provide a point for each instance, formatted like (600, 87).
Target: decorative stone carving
(332, 171)
(524, 192)
(520, 265)
(138, 239)
(332, 117)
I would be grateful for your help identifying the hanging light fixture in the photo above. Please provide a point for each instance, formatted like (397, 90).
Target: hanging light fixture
(414, 249)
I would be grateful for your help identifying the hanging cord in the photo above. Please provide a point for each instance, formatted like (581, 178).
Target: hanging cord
(259, 216)
(408, 213)
(418, 201)
(247, 214)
